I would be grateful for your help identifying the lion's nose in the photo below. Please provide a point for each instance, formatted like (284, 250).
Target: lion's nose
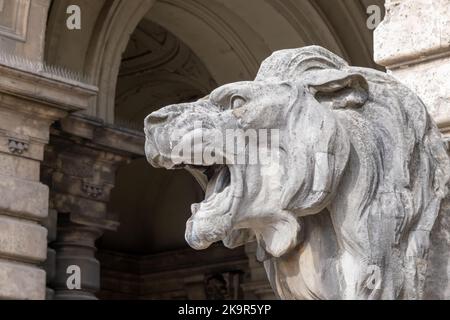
(163, 115)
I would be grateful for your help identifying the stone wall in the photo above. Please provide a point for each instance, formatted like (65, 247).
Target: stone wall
(413, 43)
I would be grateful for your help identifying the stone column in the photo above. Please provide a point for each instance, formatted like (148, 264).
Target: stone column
(413, 43)
(80, 167)
(29, 102)
(75, 257)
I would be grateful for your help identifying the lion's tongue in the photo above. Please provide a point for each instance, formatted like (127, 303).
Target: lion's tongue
(209, 222)
(216, 185)
(218, 182)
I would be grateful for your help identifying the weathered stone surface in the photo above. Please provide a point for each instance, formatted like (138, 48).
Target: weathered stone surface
(75, 246)
(22, 239)
(349, 206)
(20, 281)
(20, 168)
(413, 43)
(412, 31)
(23, 197)
(430, 81)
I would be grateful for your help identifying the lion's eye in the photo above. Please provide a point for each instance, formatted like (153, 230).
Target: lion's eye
(237, 102)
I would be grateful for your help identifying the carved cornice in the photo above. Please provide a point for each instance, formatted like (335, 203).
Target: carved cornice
(47, 88)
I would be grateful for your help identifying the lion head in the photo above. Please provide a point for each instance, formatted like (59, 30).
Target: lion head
(353, 143)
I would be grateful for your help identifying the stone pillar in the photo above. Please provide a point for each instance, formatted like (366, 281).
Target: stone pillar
(413, 43)
(29, 103)
(75, 256)
(80, 167)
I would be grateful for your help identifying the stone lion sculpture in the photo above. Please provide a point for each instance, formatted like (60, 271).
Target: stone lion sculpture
(354, 208)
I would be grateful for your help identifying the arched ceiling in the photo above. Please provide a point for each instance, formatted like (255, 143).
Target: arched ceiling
(157, 69)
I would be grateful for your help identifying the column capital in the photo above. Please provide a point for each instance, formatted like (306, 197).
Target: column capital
(80, 167)
(28, 88)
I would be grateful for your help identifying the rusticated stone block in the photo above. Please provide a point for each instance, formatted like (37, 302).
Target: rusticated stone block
(412, 30)
(20, 281)
(22, 239)
(24, 198)
(413, 43)
(430, 81)
(19, 167)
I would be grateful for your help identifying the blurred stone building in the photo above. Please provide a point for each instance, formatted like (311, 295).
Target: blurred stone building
(75, 189)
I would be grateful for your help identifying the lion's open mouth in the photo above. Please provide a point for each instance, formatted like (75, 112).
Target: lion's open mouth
(211, 219)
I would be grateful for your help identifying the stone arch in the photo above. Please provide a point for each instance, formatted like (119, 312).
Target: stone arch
(96, 49)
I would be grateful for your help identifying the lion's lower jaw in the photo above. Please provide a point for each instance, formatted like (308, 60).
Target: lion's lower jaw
(202, 232)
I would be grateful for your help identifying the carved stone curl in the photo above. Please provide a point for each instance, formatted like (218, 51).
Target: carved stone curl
(92, 190)
(17, 146)
(352, 208)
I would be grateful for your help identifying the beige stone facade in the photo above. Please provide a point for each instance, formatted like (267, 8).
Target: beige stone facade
(75, 189)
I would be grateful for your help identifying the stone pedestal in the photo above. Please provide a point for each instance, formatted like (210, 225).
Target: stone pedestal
(29, 103)
(80, 168)
(413, 43)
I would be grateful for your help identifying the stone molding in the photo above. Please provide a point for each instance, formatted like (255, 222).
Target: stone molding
(45, 88)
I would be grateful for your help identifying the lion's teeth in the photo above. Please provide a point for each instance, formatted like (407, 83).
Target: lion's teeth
(195, 207)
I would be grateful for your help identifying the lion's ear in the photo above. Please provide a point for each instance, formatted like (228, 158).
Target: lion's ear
(339, 89)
